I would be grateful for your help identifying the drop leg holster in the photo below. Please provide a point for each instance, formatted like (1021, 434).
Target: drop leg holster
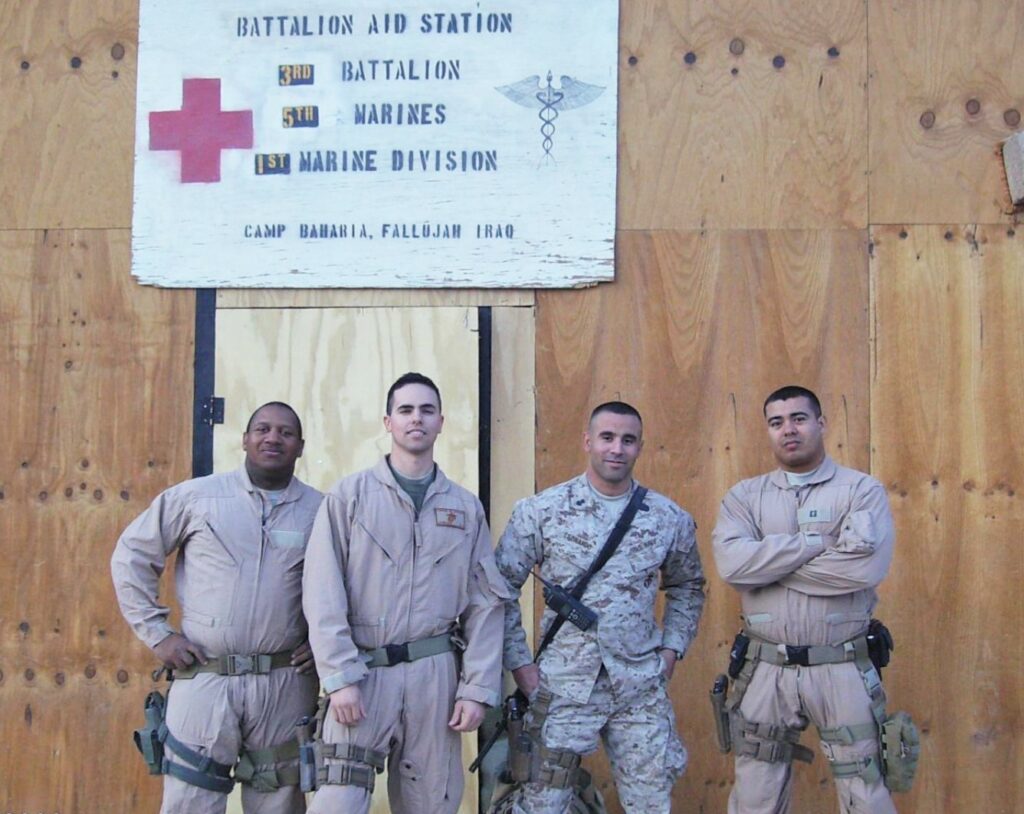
(780, 744)
(155, 741)
(898, 740)
(257, 768)
(260, 769)
(350, 765)
(868, 768)
(531, 761)
(772, 743)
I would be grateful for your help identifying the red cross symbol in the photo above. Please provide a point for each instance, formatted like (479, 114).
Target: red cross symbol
(200, 130)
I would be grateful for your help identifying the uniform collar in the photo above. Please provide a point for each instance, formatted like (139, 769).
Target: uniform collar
(825, 472)
(580, 493)
(382, 472)
(290, 493)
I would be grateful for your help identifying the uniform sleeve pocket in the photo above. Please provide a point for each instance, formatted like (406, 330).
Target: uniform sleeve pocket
(490, 578)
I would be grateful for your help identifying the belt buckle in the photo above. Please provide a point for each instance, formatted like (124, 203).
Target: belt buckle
(397, 653)
(798, 655)
(240, 665)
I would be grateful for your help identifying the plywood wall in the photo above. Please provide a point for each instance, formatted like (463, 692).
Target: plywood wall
(948, 443)
(752, 197)
(742, 115)
(782, 168)
(96, 383)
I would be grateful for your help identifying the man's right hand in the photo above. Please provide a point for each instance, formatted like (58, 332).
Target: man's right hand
(347, 705)
(177, 652)
(527, 678)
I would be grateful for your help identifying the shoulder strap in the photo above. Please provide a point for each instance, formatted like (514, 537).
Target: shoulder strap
(579, 588)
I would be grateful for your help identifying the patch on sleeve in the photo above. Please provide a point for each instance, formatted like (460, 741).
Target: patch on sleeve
(453, 518)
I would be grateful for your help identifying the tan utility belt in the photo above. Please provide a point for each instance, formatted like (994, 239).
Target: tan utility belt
(787, 655)
(234, 664)
(392, 654)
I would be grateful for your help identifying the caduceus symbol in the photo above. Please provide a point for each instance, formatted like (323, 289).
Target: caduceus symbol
(530, 93)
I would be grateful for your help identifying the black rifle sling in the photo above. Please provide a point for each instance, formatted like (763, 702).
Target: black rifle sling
(618, 532)
(580, 587)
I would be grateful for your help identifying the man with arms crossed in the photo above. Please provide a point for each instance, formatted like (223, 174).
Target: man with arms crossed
(608, 682)
(243, 670)
(805, 545)
(400, 577)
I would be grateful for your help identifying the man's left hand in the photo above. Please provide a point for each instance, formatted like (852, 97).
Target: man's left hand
(302, 658)
(468, 716)
(668, 658)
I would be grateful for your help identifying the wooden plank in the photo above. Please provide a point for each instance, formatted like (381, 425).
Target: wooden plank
(947, 430)
(729, 140)
(67, 132)
(369, 297)
(334, 366)
(932, 160)
(99, 377)
(698, 329)
(513, 422)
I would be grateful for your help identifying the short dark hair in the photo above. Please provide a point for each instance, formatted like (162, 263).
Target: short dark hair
(288, 407)
(617, 407)
(409, 378)
(793, 391)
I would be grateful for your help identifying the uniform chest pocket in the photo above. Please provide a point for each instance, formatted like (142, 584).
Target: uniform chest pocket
(208, 577)
(818, 520)
(644, 559)
(288, 547)
(445, 544)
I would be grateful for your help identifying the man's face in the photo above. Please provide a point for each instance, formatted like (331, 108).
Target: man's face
(272, 443)
(415, 420)
(613, 443)
(796, 434)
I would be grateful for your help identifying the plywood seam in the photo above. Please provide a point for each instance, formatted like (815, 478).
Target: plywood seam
(867, 127)
(329, 306)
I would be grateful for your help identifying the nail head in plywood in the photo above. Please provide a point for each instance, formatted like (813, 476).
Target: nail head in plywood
(947, 317)
(790, 141)
(67, 129)
(963, 62)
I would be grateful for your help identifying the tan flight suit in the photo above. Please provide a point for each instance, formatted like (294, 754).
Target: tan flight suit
(376, 575)
(806, 560)
(239, 583)
(607, 682)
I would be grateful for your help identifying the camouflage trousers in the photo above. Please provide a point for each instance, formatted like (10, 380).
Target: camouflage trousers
(640, 738)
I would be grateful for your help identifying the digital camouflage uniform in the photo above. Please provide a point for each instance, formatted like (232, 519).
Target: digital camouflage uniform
(239, 584)
(378, 574)
(806, 560)
(607, 682)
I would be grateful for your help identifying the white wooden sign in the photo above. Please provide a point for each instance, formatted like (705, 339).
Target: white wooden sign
(373, 144)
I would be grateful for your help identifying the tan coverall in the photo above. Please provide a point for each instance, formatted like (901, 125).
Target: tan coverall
(376, 574)
(239, 584)
(800, 588)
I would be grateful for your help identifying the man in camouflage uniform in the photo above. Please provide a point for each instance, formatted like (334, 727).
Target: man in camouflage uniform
(805, 545)
(610, 681)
